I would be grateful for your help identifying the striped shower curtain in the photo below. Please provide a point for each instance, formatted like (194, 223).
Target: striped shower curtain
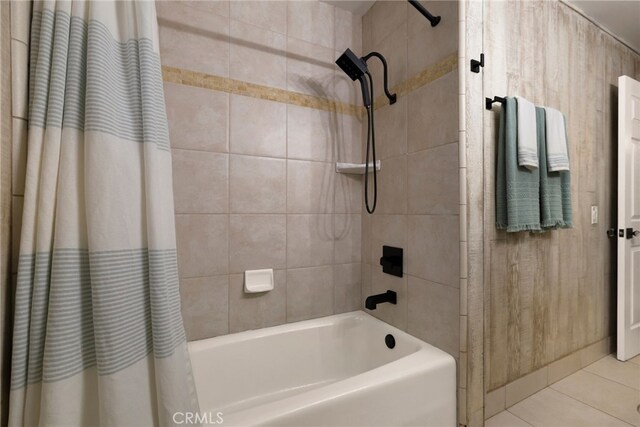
(98, 334)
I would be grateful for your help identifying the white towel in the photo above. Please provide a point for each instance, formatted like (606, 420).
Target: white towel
(557, 150)
(527, 137)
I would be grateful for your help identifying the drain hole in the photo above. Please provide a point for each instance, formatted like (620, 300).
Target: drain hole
(390, 341)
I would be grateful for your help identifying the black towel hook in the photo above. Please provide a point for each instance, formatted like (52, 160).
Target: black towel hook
(488, 102)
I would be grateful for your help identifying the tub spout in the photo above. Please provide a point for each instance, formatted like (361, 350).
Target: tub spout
(372, 301)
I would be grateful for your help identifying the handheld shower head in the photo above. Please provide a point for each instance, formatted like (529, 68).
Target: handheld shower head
(356, 69)
(353, 66)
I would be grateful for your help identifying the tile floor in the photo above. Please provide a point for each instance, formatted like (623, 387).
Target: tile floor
(605, 393)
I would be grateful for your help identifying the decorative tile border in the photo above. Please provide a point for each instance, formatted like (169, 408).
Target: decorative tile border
(426, 76)
(238, 87)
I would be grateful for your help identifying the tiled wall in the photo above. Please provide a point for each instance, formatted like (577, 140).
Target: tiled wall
(418, 197)
(254, 178)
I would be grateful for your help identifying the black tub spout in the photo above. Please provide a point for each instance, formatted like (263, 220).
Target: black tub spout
(372, 301)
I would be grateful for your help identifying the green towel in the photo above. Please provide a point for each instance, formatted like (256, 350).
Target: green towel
(555, 187)
(517, 188)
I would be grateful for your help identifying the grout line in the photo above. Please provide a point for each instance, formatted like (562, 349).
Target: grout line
(265, 156)
(606, 378)
(523, 420)
(587, 404)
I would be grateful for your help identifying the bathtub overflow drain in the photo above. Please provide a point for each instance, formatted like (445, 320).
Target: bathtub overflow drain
(390, 341)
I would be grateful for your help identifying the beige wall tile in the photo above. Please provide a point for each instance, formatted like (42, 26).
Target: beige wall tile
(345, 89)
(310, 68)
(391, 130)
(348, 193)
(347, 283)
(257, 55)
(392, 186)
(219, 7)
(258, 127)
(186, 31)
(433, 314)
(257, 184)
(310, 187)
(310, 240)
(395, 315)
(443, 38)
(367, 31)
(348, 144)
(394, 48)
(202, 242)
(494, 402)
(433, 181)
(367, 280)
(309, 293)
(311, 21)
(198, 118)
(525, 386)
(255, 132)
(564, 367)
(433, 120)
(19, 155)
(385, 17)
(311, 134)
(348, 31)
(271, 15)
(435, 262)
(19, 79)
(260, 310)
(205, 306)
(347, 238)
(200, 181)
(256, 242)
(367, 222)
(388, 230)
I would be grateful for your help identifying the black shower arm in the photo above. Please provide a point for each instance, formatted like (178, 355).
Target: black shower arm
(420, 8)
(392, 96)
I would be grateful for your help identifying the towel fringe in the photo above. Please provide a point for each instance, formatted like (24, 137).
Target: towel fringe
(523, 227)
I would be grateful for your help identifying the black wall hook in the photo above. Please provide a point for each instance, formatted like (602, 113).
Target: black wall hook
(475, 64)
(488, 102)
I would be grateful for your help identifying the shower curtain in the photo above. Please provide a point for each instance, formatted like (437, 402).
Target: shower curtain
(98, 333)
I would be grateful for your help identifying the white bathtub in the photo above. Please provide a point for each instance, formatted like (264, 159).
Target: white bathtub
(333, 371)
